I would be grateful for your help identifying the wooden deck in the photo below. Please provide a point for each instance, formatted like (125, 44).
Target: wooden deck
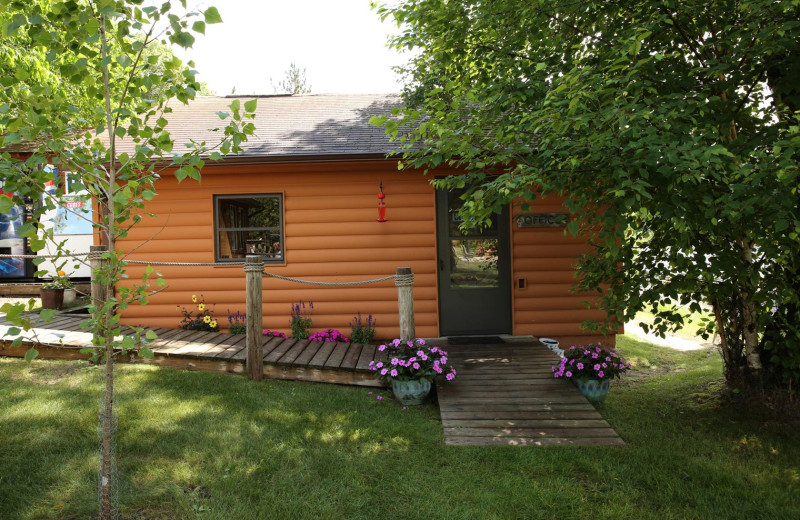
(302, 360)
(506, 395)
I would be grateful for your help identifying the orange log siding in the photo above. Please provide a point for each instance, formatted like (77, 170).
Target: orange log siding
(331, 234)
(545, 258)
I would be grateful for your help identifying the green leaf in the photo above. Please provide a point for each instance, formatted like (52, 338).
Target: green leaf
(31, 354)
(47, 315)
(146, 352)
(13, 331)
(6, 204)
(150, 335)
(250, 106)
(199, 27)
(211, 15)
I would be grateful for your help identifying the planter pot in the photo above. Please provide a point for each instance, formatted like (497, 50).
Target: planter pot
(52, 298)
(411, 392)
(69, 296)
(595, 390)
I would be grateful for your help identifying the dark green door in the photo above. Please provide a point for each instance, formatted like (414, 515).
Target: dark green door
(474, 272)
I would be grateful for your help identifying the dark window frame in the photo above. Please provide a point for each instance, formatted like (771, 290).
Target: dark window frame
(218, 229)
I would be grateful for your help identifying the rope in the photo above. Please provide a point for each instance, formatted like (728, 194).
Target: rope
(73, 255)
(404, 280)
(331, 284)
(185, 264)
(400, 280)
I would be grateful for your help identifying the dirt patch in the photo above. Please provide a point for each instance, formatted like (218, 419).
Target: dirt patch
(51, 373)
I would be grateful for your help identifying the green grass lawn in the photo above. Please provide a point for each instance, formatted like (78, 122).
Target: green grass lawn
(213, 446)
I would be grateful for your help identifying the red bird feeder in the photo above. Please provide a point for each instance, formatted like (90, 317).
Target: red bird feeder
(381, 205)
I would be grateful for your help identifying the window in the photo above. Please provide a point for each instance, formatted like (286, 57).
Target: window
(248, 225)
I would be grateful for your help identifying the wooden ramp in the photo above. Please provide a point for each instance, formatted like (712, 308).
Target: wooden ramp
(303, 360)
(507, 395)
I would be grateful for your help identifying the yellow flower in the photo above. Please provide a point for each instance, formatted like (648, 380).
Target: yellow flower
(201, 307)
(61, 273)
(194, 298)
(213, 324)
(207, 319)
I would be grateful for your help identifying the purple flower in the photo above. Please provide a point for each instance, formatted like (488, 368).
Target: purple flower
(420, 341)
(395, 361)
(597, 367)
(580, 366)
(382, 348)
(420, 353)
(371, 363)
(396, 342)
(600, 374)
(393, 373)
(410, 343)
(444, 358)
(435, 349)
(594, 356)
(424, 357)
(384, 371)
(379, 365)
(437, 369)
(412, 359)
(416, 366)
(569, 374)
(404, 408)
(605, 366)
(379, 398)
(450, 376)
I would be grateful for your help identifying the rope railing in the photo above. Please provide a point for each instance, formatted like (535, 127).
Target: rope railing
(254, 271)
(400, 280)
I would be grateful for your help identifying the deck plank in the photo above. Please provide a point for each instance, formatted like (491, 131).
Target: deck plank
(293, 353)
(320, 356)
(351, 357)
(279, 350)
(367, 355)
(507, 395)
(337, 356)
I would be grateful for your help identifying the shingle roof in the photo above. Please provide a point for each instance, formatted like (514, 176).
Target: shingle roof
(296, 125)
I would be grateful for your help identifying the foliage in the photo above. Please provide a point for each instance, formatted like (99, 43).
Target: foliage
(75, 82)
(414, 359)
(591, 361)
(237, 322)
(60, 281)
(363, 331)
(670, 127)
(329, 335)
(294, 82)
(204, 320)
(274, 334)
(301, 319)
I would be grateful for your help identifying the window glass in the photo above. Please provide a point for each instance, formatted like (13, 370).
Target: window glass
(249, 225)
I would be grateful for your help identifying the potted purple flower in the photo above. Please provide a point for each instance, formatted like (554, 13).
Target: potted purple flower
(591, 368)
(411, 367)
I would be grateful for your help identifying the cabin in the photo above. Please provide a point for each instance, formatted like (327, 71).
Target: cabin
(304, 196)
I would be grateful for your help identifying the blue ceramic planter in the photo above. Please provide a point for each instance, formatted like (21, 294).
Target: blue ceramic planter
(411, 392)
(595, 390)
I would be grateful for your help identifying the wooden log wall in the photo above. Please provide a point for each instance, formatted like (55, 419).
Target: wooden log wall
(330, 234)
(545, 258)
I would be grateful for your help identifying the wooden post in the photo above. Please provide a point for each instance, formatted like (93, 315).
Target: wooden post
(98, 290)
(405, 302)
(253, 268)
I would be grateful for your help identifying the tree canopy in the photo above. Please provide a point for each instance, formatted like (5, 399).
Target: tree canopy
(77, 77)
(670, 126)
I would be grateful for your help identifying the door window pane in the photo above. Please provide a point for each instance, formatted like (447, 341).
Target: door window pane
(473, 263)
